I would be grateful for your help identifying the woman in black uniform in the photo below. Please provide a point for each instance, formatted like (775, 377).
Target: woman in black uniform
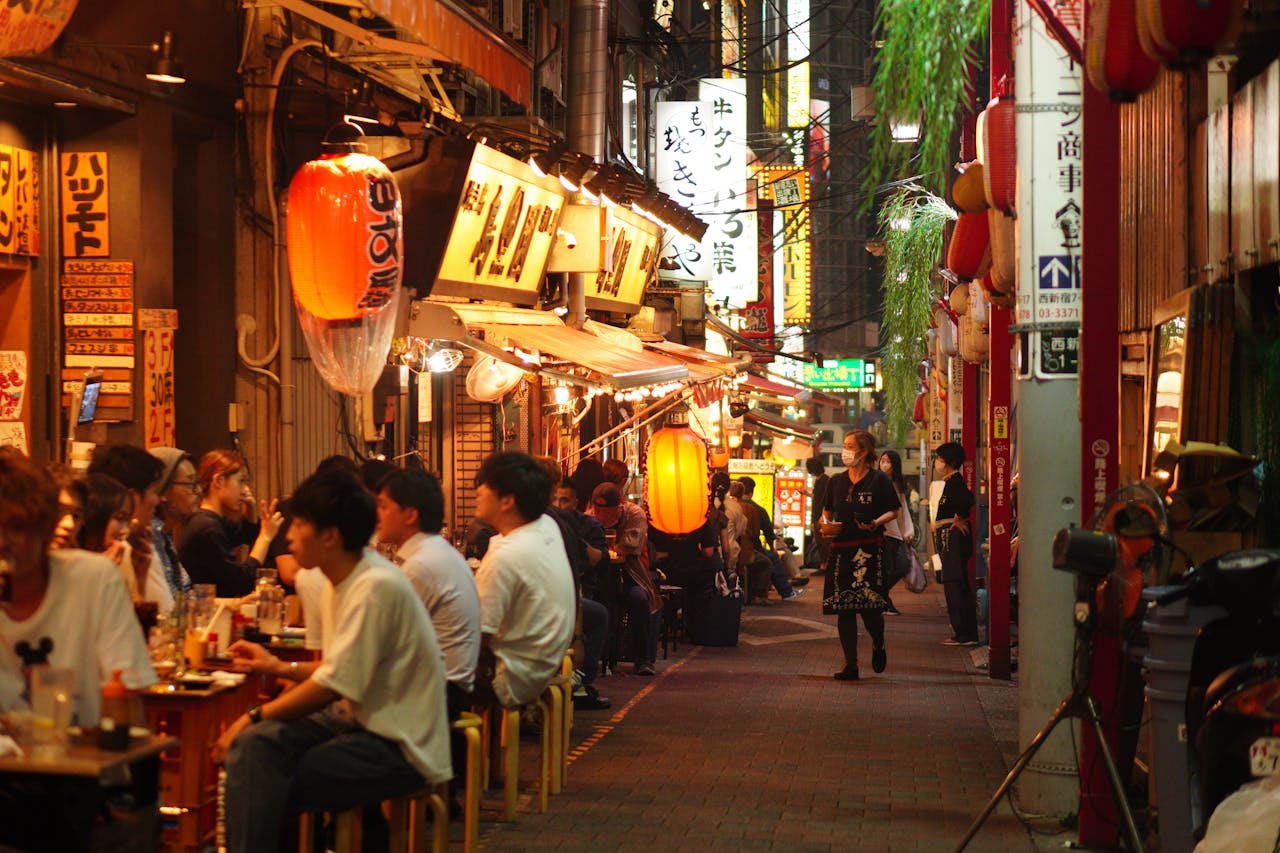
(862, 499)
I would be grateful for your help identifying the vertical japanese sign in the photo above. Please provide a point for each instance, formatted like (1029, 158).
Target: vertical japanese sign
(757, 317)
(8, 186)
(98, 331)
(86, 223)
(797, 63)
(13, 384)
(26, 202)
(788, 188)
(1049, 134)
(702, 164)
(158, 325)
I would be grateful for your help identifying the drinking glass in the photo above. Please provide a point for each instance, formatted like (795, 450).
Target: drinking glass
(51, 691)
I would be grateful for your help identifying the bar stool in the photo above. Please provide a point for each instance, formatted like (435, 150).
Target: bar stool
(406, 817)
(470, 725)
(672, 616)
(507, 745)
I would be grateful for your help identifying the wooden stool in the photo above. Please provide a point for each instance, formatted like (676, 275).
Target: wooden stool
(406, 816)
(508, 745)
(471, 725)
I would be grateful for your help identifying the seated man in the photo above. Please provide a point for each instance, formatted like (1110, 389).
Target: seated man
(526, 585)
(640, 595)
(66, 608)
(594, 615)
(365, 724)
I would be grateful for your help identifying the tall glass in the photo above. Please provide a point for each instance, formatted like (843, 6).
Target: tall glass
(52, 689)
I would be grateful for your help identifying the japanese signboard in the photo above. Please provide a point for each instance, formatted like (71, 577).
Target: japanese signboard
(757, 317)
(1049, 113)
(761, 472)
(842, 374)
(86, 220)
(158, 329)
(701, 163)
(632, 261)
(791, 500)
(788, 188)
(19, 196)
(28, 27)
(797, 63)
(502, 232)
(98, 314)
(13, 384)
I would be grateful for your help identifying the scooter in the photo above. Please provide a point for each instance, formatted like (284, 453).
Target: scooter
(1233, 694)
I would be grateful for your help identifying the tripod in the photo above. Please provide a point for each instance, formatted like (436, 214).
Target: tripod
(1078, 704)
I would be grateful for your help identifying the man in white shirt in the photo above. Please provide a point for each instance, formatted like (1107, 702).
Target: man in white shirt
(527, 600)
(365, 724)
(410, 516)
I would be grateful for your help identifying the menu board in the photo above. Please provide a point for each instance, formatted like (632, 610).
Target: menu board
(98, 332)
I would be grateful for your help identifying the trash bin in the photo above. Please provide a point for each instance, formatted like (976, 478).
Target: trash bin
(1171, 632)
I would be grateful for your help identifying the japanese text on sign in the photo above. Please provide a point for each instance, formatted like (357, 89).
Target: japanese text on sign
(157, 346)
(791, 499)
(86, 229)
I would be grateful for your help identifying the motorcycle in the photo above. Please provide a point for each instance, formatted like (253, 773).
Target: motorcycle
(1233, 694)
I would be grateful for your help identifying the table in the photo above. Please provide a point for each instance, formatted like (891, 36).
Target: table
(188, 776)
(60, 792)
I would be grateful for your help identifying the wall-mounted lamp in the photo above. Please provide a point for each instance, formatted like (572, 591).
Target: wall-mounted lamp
(166, 68)
(543, 162)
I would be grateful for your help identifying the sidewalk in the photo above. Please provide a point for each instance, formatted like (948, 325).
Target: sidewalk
(758, 748)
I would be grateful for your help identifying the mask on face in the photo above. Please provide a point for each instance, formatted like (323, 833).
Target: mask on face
(848, 457)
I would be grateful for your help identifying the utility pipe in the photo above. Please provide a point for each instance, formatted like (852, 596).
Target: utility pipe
(588, 103)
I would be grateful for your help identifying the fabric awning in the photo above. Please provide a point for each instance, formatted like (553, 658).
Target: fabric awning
(544, 333)
(758, 385)
(693, 355)
(781, 426)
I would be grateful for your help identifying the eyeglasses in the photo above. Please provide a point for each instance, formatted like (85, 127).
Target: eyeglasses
(187, 484)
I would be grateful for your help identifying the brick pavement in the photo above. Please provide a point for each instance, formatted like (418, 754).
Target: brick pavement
(758, 748)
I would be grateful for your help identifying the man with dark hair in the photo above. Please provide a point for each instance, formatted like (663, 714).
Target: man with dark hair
(410, 515)
(527, 600)
(367, 722)
(953, 542)
(141, 474)
(630, 551)
(595, 615)
(817, 546)
(765, 550)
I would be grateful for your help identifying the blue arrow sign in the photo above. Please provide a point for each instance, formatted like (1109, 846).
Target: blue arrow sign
(1057, 272)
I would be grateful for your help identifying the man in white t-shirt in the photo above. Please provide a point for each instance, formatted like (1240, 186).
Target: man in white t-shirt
(410, 516)
(367, 722)
(527, 600)
(65, 608)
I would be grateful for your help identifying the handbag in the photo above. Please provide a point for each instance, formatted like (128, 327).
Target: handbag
(916, 580)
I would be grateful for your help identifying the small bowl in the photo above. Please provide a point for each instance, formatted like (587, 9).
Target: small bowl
(831, 529)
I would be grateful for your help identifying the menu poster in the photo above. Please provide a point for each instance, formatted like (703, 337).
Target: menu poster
(13, 384)
(14, 434)
(159, 326)
(98, 332)
(791, 494)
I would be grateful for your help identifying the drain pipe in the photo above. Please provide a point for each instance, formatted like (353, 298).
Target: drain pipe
(588, 101)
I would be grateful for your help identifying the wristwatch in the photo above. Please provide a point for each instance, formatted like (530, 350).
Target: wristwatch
(255, 713)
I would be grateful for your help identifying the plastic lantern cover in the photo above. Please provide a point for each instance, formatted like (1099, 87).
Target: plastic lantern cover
(676, 479)
(345, 262)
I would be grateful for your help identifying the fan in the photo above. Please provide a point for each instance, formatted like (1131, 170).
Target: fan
(489, 379)
(1136, 517)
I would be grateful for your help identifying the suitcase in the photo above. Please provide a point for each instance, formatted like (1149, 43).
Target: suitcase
(713, 619)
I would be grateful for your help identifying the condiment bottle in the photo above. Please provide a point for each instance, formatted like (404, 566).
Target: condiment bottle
(115, 701)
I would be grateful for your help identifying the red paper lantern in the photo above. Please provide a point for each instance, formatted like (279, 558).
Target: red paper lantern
(1113, 59)
(345, 235)
(1181, 32)
(676, 479)
(998, 151)
(969, 255)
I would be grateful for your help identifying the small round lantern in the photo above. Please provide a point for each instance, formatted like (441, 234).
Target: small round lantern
(998, 151)
(1114, 60)
(676, 479)
(344, 233)
(967, 192)
(969, 255)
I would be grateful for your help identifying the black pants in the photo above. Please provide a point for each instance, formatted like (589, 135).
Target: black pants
(847, 626)
(961, 610)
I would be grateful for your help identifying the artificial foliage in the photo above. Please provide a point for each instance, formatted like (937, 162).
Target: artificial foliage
(923, 68)
(911, 225)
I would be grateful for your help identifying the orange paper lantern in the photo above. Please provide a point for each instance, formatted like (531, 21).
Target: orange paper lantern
(345, 235)
(676, 479)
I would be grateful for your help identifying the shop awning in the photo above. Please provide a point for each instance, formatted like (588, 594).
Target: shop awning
(781, 426)
(757, 385)
(693, 355)
(542, 332)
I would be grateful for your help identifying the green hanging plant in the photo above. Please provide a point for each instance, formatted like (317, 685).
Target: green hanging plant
(922, 71)
(911, 226)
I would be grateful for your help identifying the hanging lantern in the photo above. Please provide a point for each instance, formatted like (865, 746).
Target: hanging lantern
(1114, 60)
(968, 192)
(718, 457)
(1182, 32)
(959, 299)
(345, 248)
(676, 479)
(998, 151)
(993, 295)
(978, 308)
(969, 255)
(1004, 259)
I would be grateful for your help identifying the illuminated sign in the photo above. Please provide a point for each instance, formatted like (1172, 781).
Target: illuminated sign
(632, 262)
(683, 164)
(842, 374)
(798, 63)
(796, 265)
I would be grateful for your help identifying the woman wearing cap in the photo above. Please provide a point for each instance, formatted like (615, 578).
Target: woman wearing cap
(861, 500)
(179, 500)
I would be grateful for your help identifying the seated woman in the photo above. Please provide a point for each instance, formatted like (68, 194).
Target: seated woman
(108, 514)
(208, 543)
(71, 500)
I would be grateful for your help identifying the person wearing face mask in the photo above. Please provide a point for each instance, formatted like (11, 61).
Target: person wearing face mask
(862, 500)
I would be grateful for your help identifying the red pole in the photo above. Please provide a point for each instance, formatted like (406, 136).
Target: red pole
(1099, 424)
